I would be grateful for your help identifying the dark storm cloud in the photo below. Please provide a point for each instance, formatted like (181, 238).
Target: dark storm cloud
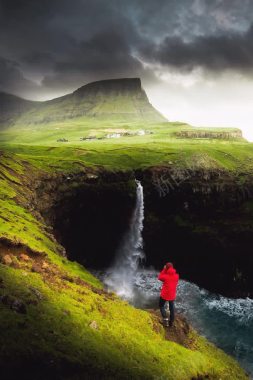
(12, 79)
(64, 44)
(216, 53)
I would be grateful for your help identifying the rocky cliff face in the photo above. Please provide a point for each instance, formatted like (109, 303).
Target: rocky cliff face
(203, 222)
(113, 87)
(210, 134)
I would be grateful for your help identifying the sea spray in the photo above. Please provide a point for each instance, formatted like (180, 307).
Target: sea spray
(121, 276)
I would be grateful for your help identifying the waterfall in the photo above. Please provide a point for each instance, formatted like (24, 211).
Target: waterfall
(120, 277)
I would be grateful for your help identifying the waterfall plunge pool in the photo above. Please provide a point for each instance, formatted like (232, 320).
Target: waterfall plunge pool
(226, 322)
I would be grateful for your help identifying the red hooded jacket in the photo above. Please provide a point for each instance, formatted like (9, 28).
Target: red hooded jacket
(170, 278)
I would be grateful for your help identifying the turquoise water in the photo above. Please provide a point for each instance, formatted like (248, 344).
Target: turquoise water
(228, 323)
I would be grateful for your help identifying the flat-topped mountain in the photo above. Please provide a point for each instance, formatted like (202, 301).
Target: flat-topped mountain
(126, 86)
(115, 99)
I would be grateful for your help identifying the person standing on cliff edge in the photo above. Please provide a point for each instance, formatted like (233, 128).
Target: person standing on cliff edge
(170, 278)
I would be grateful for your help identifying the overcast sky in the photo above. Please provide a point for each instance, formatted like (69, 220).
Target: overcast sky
(195, 57)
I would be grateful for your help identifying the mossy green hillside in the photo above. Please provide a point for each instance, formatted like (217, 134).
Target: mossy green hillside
(69, 326)
(121, 343)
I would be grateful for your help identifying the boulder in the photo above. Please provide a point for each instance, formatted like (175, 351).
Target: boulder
(45, 265)
(24, 257)
(7, 260)
(36, 268)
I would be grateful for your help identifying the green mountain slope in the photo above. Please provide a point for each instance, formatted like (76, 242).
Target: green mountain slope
(12, 107)
(118, 99)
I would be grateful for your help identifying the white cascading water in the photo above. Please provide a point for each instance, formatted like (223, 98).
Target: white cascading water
(120, 277)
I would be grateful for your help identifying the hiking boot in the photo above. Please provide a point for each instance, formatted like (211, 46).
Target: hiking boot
(166, 322)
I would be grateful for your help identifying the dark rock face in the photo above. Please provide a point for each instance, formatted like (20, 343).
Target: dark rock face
(89, 214)
(203, 222)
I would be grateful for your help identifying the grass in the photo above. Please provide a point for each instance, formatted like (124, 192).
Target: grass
(39, 145)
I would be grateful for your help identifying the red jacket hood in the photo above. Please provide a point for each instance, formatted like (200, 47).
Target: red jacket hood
(171, 271)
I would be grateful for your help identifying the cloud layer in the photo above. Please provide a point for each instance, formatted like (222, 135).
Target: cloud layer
(53, 46)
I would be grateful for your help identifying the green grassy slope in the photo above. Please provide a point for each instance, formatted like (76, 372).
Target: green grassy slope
(159, 146)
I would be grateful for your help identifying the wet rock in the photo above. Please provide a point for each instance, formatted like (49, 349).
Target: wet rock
(7, 260)
(93, 325)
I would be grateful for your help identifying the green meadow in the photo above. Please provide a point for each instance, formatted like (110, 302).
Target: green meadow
(160, 145)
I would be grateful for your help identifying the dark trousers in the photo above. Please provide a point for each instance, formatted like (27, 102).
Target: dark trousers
(162, 304)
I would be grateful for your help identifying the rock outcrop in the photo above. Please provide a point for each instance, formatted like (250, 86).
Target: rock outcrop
(210, 134)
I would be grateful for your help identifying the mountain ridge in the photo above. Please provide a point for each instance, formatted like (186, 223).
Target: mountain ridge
(121, 99)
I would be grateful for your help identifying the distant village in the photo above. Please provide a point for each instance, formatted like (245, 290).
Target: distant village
(113, 135)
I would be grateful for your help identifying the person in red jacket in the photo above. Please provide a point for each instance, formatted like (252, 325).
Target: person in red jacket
(170, 278)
